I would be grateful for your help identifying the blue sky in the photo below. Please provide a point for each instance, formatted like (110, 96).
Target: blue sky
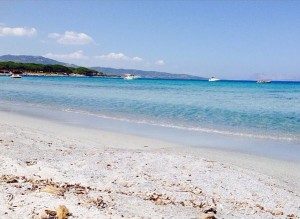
(227, 39)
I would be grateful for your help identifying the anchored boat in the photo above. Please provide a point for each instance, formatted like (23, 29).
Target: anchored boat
(130, 77)
(16, 76)
(263, 81)
(213, 79)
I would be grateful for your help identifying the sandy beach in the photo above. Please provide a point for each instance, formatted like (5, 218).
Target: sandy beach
(100, 174)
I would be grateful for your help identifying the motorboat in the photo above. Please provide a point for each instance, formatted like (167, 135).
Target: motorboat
(213, 79)
(130, 77)
(16, 76)
(263, 81)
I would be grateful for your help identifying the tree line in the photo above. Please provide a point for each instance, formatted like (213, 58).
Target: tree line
(46, 69)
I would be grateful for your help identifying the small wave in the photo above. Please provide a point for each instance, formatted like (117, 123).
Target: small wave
(155, 123)
(186, 128)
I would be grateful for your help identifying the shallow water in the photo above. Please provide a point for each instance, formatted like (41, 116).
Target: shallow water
(206, 112)
(237, 108)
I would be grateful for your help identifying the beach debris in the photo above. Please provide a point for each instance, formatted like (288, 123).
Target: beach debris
(197, 191)
(62, 212)
(53, 190)
(10, 197)
(31, 162)
(210, 209)
(260, 207)
(9, 179)
(99, 202)
(159, 199)
(277, 212)
(77, 189)
(50, 212)
(291, 216)
(43, 215)
(197, 204)
(208, 216)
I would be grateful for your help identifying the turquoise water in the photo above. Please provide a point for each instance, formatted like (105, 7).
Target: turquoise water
(264, 111)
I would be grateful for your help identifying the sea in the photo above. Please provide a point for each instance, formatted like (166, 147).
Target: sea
(244, 116)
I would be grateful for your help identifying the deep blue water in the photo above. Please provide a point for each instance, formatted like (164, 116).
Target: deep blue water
(233, 108)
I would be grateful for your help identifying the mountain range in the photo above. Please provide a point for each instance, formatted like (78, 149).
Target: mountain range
(29, 59)
(146, 74)
(105, 70)
(33, 59)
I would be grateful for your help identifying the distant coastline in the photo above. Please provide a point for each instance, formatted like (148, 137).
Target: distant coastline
(50, 74)
(109, 72)
(9, 67)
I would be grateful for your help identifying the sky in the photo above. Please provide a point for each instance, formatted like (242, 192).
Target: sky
(227, 39)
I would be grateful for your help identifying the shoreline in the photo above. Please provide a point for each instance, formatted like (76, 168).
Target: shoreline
(260, 146)
(147, 78)
(160, 178)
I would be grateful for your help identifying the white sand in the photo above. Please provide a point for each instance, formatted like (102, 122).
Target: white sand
(134, 177)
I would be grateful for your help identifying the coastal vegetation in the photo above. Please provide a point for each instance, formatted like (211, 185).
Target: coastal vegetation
(48, 69)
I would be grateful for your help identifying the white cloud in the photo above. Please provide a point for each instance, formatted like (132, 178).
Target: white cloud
(118, 57)
(137, 59)
(78, 55)
(113, 59)
(17, 31)
(160, 62)
(71, 38)
(113, 56)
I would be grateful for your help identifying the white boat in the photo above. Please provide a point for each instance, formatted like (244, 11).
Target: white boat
(16, 76)
(263, 81)
(213, 79)
(130, 77)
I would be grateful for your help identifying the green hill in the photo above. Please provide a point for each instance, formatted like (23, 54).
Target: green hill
(41, 69)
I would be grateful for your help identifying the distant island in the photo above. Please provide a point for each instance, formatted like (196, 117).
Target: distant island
(39, 65)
